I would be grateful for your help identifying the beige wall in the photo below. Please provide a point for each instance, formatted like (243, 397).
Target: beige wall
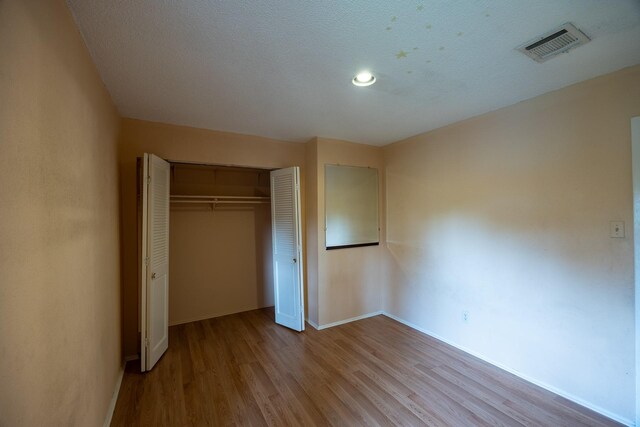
(220, 262)
(59, 267)
(349, 281)
(506, 216)
(180, 143)
(221, 259)
(312, 248)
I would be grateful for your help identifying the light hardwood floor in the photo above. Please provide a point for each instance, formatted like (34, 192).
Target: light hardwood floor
(245, 370)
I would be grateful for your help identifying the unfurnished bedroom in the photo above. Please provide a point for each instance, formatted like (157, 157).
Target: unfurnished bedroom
(299, 213)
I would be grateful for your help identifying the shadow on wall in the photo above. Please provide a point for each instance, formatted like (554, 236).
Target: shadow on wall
(351, 291)
(219, 261)
(531, 263)
(59, 297)
(264, 255)
(506, 216)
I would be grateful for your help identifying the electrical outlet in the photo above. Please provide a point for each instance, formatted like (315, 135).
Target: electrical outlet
(616, 229)
(465, 316)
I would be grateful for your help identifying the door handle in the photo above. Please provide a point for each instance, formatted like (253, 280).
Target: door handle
(153, 275)
(295, 260)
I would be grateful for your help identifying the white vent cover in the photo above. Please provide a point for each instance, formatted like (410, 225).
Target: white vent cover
(556, 41)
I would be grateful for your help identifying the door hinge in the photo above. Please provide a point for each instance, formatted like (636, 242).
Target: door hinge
(148, 179)
(146, 342)
(146, 261)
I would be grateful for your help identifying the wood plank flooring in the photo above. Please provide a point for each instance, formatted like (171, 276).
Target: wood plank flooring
(243, 369)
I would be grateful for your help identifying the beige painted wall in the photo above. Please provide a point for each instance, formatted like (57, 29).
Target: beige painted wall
(59, 267)
(350, 281)
(506, 216)
(220, 259)
(312, 248)
(180, 143)
(220, 262)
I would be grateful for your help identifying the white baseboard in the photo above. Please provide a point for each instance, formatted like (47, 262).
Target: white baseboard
(114, 398)
(351, 319)
(313, 325)
(525, 377)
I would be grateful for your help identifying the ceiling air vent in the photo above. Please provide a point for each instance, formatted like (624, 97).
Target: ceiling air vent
(554, 42)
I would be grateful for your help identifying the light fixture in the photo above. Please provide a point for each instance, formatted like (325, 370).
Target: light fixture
(363, 78)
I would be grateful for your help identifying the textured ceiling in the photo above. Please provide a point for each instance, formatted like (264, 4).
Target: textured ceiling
(283, 68)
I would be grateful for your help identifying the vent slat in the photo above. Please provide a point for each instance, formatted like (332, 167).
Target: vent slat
(554, 42)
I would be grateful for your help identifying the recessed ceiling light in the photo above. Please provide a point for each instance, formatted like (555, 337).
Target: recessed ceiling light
(363, 78)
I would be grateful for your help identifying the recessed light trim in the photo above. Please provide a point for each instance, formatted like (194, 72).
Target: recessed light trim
(363, 78)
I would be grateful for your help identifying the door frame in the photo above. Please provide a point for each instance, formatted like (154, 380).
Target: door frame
(144, 263)
(143, 172)
(635, 167)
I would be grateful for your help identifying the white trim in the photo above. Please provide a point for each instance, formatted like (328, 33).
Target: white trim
(349, 320)
(635, 173)
(313, 324)
(144, 193)
(114, 398)
(525, 377)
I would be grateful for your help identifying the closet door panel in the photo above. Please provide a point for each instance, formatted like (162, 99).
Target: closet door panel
(286, 230)
(155, 319)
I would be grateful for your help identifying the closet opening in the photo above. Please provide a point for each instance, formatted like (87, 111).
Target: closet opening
(220, 255)
(215, 240)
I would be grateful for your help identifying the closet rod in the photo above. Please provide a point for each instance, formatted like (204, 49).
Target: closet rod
(220, 202)
(221, 197)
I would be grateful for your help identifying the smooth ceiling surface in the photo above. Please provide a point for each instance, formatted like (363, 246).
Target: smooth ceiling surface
(283, 69)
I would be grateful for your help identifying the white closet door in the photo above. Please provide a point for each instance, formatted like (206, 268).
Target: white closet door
(287, 262)
(155, 253)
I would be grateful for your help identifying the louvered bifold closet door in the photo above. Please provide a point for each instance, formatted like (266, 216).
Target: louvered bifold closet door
(287, 263)
(158, 250)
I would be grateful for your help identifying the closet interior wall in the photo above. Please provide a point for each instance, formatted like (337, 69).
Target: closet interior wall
(220, 259)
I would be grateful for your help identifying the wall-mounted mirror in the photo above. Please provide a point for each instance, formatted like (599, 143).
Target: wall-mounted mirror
(351, 206)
